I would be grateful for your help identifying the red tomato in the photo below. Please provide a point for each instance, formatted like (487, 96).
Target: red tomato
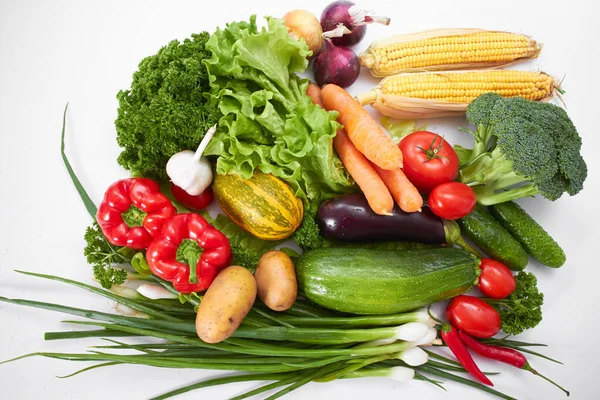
(452, 200)
(496, 280)
(473, 316)
(198, 202)
(429, 160)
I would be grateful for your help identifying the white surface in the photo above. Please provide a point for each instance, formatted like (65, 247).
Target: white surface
(84, 52)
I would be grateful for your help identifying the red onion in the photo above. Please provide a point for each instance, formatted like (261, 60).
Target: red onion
(334, 64)
(354, 18)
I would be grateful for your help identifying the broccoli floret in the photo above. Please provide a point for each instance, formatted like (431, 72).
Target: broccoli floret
(308, 236)
(522, 148)
(479, 112)
(523, 308)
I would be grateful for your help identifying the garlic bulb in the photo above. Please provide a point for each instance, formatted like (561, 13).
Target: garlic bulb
(190, 171)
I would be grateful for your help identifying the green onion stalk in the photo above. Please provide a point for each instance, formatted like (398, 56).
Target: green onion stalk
(288, 356)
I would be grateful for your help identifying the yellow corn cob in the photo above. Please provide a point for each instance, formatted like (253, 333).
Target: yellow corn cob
(447, 49)
(441, 94)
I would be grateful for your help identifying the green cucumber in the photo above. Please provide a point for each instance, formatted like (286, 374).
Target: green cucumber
(491, 237)
(369, 282)
(534, 239)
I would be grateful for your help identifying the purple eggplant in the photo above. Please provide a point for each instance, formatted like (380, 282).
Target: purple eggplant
(350, 219)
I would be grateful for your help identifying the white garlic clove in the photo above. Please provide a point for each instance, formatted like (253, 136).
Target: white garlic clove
(192, 175)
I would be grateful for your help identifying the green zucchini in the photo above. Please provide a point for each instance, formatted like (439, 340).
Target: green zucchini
(491, 237)
(534, 239)
(365, 281)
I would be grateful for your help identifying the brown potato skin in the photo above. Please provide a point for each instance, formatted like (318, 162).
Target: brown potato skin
(276, 280)
(225, 304)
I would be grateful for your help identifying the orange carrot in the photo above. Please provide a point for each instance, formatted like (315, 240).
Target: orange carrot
(379, 198)
(314, 92)
(405, 193)
(362, 129)
(364, 174)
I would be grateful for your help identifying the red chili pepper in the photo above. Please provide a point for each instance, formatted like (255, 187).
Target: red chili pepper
(133, 212)
(503, 354)
(196, 274)
(452, 339)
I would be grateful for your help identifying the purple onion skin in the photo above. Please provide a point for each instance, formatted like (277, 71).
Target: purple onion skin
(338, 65)
(337, 12)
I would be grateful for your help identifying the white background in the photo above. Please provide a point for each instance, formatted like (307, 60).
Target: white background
(84, 52)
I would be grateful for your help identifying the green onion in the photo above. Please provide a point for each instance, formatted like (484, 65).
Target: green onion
(410, 332)
(224, 381)
(399, 374)
(362, 321)
(87, 201)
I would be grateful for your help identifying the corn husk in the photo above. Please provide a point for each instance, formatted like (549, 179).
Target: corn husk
(402, 107)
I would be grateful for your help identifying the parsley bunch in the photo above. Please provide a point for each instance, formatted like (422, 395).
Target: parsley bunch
(102, 256)
(167, 108)
(523, 308)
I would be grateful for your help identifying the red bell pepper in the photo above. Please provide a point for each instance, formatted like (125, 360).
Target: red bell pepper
(165, 258)
(133, 212)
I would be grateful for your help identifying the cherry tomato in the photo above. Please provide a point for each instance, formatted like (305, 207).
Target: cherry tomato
(198, 202)
(429, 160)
(452, 200)
(496, 280)
(473, 316)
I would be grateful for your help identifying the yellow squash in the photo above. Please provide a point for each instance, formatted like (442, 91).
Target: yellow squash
(264, 205)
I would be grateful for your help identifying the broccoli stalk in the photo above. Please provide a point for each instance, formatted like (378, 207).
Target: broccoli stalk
(522, 148)
(491, 174)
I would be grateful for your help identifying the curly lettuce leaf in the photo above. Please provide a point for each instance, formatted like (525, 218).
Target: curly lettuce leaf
(269, 123)
(399, 129)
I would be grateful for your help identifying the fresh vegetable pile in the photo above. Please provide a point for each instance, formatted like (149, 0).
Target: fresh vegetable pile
(379, 209)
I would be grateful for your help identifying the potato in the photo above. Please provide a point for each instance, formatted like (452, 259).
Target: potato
(276, 280)
(225, 304)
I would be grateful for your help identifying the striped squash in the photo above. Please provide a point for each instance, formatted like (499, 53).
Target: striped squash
(264, 205)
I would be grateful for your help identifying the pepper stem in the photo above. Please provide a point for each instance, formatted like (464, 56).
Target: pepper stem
(433, 317)
(133, 216)
(189, 253)
(528, 367)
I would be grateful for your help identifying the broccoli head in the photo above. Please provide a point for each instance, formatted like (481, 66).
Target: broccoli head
(522, 148)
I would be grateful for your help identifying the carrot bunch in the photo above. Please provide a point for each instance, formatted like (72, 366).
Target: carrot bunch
(368, 154)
